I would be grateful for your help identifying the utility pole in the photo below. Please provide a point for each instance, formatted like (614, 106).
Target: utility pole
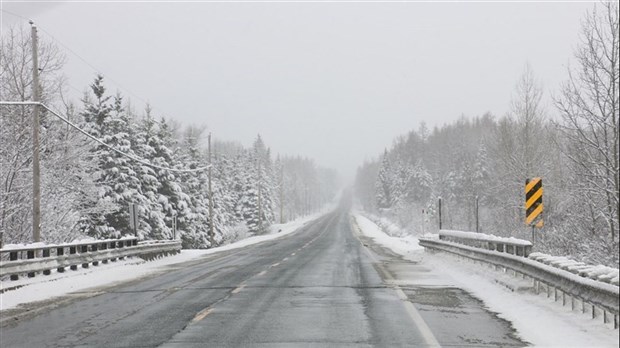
(36, 170)
(211, 233)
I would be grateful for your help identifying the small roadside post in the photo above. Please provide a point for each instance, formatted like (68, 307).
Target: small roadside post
(174, 227)
(476, 210)
(133, 218)
(440, 213)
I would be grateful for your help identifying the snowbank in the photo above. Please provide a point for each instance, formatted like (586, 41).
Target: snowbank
(405, 246)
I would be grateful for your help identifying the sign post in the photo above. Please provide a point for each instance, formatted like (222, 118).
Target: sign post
(174, 227)
(133, 218)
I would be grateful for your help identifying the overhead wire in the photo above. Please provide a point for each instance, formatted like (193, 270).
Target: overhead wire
(71, 124)
(130, 156)
(91, 66)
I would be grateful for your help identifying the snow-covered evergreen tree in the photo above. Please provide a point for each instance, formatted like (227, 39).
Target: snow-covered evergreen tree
(384, 185)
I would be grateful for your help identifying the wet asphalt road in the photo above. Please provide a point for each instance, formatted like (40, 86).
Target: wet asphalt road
(321, 286)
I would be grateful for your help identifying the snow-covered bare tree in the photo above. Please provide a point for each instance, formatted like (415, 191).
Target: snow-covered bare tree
(522, 149)
(66, 188)
(588, 104)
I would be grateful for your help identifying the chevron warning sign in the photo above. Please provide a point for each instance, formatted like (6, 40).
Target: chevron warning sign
(533, 202)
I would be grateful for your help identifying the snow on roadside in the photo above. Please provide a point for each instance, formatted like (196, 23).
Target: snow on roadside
(43, 287)
(537, 319)
(405, 246)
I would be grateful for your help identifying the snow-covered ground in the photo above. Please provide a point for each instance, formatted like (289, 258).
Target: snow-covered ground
(536, 318)
(41, 287)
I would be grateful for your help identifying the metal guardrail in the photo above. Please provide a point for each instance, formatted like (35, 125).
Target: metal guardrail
(507, 245)
(597, 294)
(44, 259)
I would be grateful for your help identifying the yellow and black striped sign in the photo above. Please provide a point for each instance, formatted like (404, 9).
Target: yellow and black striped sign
(533, 202)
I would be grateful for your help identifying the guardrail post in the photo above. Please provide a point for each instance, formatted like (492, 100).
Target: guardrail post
(616, 321)
(104, 246)
(113, 246)
(13, 257)
(604, 316)
(583, 306)
(94, 248)
(121, 244)
(563, 298)
(46, 253)
(73, 250)
(60, 251)
(84, 250)
(593, 312)
(30, 255)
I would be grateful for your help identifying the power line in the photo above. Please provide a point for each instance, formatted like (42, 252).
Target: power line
(132, 157)
(91, 66)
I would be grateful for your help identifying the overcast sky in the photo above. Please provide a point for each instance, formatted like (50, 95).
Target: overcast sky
(333, 81)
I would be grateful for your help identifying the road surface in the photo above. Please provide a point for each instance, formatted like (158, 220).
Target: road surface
(324, 285)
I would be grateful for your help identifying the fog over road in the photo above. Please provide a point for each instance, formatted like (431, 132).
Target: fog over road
(322, 286)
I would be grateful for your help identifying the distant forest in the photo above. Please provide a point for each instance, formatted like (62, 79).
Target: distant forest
(87, 186)
(572, 145)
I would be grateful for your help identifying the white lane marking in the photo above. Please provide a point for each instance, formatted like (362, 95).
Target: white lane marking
(237, 289)
(284, 259)
(293, 254)
(202, 314)
(275, 264)
(261, 273)
(426, 332)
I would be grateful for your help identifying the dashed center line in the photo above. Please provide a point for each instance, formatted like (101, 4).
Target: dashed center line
(237, 289)
(275, 264)
(261, 273)
(202, 314)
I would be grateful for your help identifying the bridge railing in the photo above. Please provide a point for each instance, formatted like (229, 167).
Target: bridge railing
(15, 261)
(557, 282)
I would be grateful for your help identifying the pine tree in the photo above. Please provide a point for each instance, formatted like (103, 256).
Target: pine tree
(384, 185)
(146, 145)
(117, 180)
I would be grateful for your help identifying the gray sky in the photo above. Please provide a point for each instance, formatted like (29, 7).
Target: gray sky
(333, 81)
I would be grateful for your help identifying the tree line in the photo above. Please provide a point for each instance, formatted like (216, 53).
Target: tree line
(479, 165)
(87, 186)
